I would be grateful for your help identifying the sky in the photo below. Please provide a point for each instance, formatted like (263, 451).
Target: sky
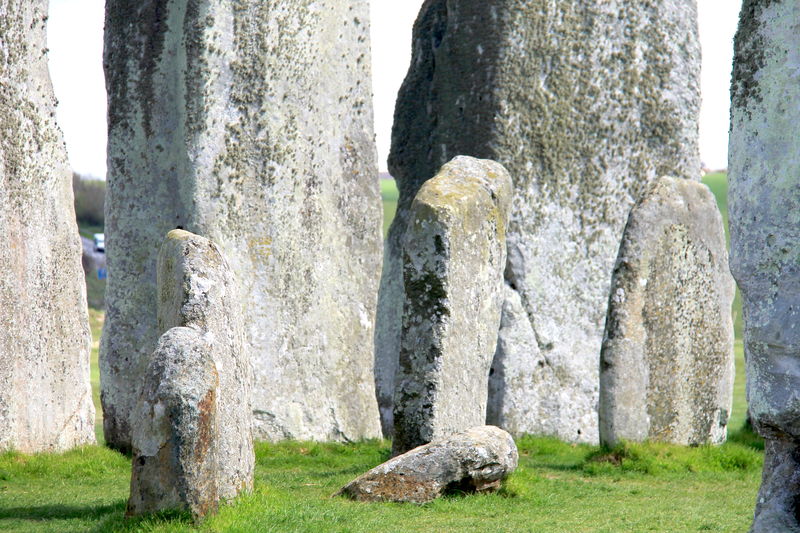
(75, 40)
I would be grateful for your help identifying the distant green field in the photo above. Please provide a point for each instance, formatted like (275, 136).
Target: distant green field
(389, 196)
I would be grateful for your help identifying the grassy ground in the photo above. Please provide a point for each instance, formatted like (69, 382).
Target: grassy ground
(389, 195)
(558, 487)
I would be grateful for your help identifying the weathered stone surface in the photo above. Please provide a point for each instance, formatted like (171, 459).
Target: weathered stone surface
(45, 395)
(776, 505)
(251, 123)
(764, 207)
(585, 104)
(521, 382)
(192, 440)
(454, 254)
(175, 438)
(666, 368)
(478, 459)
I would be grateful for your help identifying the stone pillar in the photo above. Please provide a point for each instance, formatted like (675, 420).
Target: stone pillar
(666, 368)
(45, 393)
(585, 104)
(764, 206)
(251, 123)
(193, 440)
(454, 254)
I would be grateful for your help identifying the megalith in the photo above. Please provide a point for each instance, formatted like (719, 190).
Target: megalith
(474, 460)
(454, 253)
(585, 104)
(45, 393)
(666, 367)
(192, 440)
(764, 207)
(250, 123)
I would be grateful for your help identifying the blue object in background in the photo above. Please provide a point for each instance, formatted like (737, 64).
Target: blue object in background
(102, 273)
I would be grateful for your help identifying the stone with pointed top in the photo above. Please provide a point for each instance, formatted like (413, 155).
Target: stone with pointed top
(193, 442)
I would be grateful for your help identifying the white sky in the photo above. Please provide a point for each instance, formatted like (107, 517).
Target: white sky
(76, 45)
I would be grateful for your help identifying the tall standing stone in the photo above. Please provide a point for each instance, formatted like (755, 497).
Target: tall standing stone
(764, 204)
(45, 394)
(585, 104)
(666, 368)
(454, 253)
(193, 439)
(249, 122)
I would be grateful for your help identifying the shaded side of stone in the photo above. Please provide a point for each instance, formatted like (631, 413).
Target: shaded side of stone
(764, 204)
(45, 393)
(175, 460)
(777, 501)
(764, 207)
(453, 261)
(251, 123)
(478, 459)
(666, 369)
(147, 192)
(586, 104)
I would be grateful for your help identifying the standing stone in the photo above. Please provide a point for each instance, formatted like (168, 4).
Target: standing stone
(192, 441)
(454, 254)
(764, 204)
(585, 104)
(666, 368)
(45, 394)
(249, 122)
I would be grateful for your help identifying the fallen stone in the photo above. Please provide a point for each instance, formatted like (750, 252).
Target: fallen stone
(45, 342)
(269, 151)
(476, 460)
(764, 207)
(193, 444)
(666, 368)
(454, 254)
(585, 104)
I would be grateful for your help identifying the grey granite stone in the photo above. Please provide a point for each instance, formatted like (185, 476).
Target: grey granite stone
(45, 393)
(585, 104)
(764, 207)
(193, 440)
(666, 368)
(477, 459)
(250, 123)
(453, 259)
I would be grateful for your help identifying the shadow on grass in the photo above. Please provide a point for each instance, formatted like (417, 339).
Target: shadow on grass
(108, 517)
(61, 512)
(747, 437)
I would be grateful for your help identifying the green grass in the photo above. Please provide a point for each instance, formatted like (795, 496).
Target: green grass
(718, 183)
(389, 194)
(557, 488)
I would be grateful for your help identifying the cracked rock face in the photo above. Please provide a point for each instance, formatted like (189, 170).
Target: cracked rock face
(454, 254)
(250, 123)
(585, 104)
(764, 206)
(666, 369)
(45, 393)
(193, 443)
(477, 459)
